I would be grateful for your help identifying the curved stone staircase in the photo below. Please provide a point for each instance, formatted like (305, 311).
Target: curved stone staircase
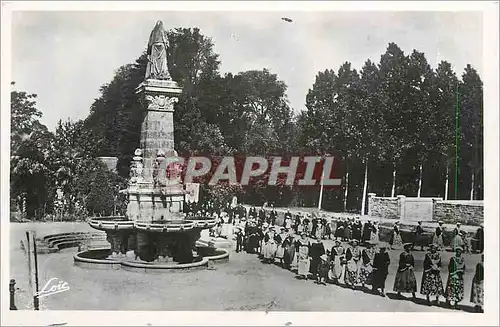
(56, 242)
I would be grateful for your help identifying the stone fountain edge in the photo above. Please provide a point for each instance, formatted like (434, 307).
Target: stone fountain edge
(136, 266)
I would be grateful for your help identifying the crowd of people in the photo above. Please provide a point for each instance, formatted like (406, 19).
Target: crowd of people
(296, 244)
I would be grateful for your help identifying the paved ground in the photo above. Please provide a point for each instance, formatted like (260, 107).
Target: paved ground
(243, 283)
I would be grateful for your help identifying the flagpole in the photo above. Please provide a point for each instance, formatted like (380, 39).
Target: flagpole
(320, 200)
(321, 192)
(457, 137)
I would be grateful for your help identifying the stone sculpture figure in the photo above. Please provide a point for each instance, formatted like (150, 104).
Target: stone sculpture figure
(157, 67)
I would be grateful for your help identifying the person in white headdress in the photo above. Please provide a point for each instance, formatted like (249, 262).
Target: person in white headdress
(396, 240)
(289, 257)
(437, 238)
(432, 284)
(352, 258)
(269, 246)
(374, 238)
(303, 259)
(457, 240)
(405, 281)
(280, 250)
(454, 290)
(337, 262)
(366, 266)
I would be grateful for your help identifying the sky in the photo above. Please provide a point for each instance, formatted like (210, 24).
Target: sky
(64, 57)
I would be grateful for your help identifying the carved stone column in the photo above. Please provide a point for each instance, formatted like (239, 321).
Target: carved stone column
(157, 130)
(116, 243)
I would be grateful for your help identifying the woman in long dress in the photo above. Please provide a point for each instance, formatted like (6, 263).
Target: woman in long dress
(323, 269)
(316, 250)
(264, 239)
(432, 284)
(296, 223)
(226, 228)
(396, 241)
(280, 250)
(333, 228)
(337, 256)
(367, 230)
(289, 254)
(307, 227)
(339, 229)
(271, 246)
(374, 238)
(381, 263)
(356, 230)
(253, 239)
(438, 236)
(300, 228)
(455, 283)
(457, 241)
(347, 231)
(353, 256)
(479, 240)
(366, 267)
(303, 260)
(405, 281)
(320, 230)
(477, 290)
(328, 229)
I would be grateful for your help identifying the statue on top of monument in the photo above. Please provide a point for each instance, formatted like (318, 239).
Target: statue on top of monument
(157, 67)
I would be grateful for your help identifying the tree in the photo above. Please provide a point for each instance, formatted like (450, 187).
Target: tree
(368, 122)
(442, 131)
(265, 113)
(74, 148)
(420, 79)
(96, 188)
(395, 106)
(471, 132)
(24, 118)
(30, 177)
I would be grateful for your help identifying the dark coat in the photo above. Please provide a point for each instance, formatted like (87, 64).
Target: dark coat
(356, 231)
(405, 258)
(367, 231)
(316, 250)
(339, 230)
(381, 263)
(479, 239)
(479, 275)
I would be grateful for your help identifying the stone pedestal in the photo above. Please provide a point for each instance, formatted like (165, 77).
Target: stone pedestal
(148, 203)
(119, 242)
(157, 130)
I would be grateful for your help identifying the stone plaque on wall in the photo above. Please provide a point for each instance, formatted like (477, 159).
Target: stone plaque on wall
(416, 209)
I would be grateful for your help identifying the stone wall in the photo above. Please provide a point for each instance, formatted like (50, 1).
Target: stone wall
(426, 210)
(465, 212)
(379, 207)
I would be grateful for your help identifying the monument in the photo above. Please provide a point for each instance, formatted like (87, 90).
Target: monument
(154, 229)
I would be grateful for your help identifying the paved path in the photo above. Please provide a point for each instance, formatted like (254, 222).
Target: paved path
(243, 283)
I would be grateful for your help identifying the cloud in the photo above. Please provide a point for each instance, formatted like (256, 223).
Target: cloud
(65, 57)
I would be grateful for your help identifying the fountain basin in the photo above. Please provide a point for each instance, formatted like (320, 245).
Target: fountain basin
(121, 223)
(99, 259)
